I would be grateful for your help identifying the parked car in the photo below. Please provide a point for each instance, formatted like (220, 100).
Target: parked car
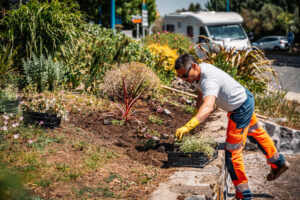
(272, 43)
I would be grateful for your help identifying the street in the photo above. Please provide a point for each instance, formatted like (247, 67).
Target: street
(288, 68)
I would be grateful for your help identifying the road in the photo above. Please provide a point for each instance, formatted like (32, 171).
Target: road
(288, 68)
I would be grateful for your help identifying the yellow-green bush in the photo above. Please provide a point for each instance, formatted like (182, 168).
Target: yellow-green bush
(165, 60)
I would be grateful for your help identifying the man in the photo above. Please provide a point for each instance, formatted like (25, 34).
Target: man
(216, 86)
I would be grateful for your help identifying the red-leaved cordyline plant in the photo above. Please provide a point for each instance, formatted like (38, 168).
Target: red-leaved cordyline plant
(130, 98)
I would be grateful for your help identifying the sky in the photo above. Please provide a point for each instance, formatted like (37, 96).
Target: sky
(169, 6)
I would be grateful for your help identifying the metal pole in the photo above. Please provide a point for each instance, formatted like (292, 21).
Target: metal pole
(143, 32)
(227, 5)
(137, 30)
(112, 14)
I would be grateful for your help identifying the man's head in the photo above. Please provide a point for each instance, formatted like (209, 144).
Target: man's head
(187, 68)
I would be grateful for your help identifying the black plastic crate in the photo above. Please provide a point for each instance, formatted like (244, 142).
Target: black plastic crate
(45, 120)
(8, 106)
(193, 159)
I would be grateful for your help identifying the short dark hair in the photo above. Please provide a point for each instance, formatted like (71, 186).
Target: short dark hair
(185, 61)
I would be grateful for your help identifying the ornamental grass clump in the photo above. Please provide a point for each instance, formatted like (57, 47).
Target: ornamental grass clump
(133, 72)
(198, 144)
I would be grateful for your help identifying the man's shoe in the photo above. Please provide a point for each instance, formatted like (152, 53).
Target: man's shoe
(275, 173)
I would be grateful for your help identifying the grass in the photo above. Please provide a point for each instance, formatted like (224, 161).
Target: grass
(155, 120)
(275, 105)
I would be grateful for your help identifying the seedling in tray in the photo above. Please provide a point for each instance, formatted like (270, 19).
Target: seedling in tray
(193, 152)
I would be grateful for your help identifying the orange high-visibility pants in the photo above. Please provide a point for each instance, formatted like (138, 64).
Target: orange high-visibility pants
(235, 143)
(243, 123)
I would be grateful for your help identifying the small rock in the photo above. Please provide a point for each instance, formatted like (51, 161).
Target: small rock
(194, 198)
(161, 149)
(286, 146)
(164, 136)
(106, 121)
(281, 120)
(167, 112)
(189, 102)
(286, 133)
(155, 139)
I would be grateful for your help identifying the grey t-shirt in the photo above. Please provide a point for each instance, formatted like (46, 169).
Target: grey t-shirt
(228, 92)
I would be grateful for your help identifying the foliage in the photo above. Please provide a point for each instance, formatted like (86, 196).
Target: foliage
(165, 60)
(43, 72)
(133, 72)
(7, 55)
(263, 17)
(96, 53)
(237, 5)
(41, 27)
(248, 66)
(131, 94)
(155, 120)
(8, 99)
(11, 187)
(198, 144)
(175, 41)
(124, 9)
(42, 104)
(192, 7)
(275, 105)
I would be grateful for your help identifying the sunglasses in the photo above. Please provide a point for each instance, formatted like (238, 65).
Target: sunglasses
(187, 73)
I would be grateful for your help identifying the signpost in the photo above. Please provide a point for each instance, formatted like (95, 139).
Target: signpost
(137, 19)
(144, 17)
(290, 39)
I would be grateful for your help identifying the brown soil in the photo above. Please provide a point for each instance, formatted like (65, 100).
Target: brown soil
(138, 171)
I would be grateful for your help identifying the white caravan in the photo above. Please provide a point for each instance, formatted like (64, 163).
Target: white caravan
(222, 28)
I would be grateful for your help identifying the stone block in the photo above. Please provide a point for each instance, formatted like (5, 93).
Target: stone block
(286, 146)
(297, 134)
(270, 128)
(286, 133)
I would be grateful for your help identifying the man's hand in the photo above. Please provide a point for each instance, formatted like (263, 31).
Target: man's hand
(186, 128)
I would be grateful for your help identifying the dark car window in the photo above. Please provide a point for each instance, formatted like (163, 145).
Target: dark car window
(273, 39)
(170, 27)
(190, 31)
(202, 31)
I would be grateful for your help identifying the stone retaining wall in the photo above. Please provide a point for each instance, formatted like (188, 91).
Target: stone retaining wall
(195, 184)
(286, 140)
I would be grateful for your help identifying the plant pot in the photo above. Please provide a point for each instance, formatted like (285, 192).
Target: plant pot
(9, 106)
(45, 120)
(189, 159)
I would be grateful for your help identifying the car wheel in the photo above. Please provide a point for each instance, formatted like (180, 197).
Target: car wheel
(276, 48)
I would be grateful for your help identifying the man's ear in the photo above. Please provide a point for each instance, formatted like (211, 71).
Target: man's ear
(194, 65)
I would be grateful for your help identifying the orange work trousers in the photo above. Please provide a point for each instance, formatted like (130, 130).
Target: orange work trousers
(235, 142)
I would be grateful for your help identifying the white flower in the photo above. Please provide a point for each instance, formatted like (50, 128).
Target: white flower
(79, 109)
(17, 124)
(4, 128)
(5, 117)
(13, 125)
(21, 118)
(30, 141)
(10, 115)
(5, 122)
(16, 136)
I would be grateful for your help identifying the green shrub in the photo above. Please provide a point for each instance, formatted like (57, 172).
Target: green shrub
(41, 27)
(174, 40)
(43, 72)
(97, 52)
(7, 55)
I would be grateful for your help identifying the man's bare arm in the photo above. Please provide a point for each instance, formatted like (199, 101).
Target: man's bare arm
(206, 108)
(199, 99)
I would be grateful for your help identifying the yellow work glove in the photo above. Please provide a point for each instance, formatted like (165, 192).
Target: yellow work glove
(186, 128)
(195, 112)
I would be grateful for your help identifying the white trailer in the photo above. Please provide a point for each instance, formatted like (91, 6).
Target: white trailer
(222, 28)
